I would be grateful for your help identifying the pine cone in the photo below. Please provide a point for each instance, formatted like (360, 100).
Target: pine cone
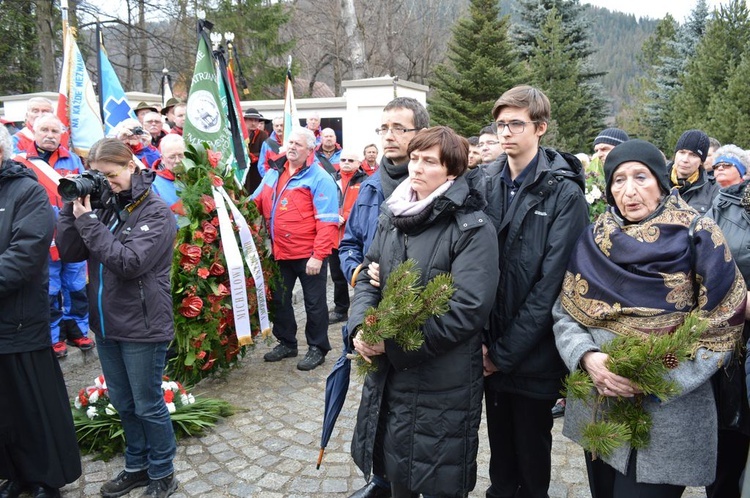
(670, 361)
(371, 320)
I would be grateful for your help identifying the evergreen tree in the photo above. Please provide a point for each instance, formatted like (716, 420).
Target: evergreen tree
(534, 13)
(717, 55)
(19, 57)
(256, 25)
(556, 70)
(659, 111)
(636, 118)
(729, 112)
(481, 66)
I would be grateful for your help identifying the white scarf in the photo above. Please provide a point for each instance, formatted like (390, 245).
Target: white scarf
(403, 201)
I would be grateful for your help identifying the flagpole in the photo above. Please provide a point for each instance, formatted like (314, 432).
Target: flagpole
(64, 12)
(99, 86)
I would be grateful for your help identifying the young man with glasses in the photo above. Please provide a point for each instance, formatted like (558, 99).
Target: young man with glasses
(536, 200)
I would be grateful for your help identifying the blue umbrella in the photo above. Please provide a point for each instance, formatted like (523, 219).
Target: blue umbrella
(337, 384)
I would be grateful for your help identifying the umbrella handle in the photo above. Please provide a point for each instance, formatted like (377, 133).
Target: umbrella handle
(320, 458)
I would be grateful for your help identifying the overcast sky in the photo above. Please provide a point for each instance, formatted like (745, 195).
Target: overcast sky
(655, 9)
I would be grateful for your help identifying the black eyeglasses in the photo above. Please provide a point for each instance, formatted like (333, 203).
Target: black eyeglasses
(396, 130)
(515, 127)
(348, 160)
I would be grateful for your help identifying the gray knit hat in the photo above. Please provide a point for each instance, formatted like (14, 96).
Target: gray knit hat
(643, 152)
(611, 136)
(695, 141)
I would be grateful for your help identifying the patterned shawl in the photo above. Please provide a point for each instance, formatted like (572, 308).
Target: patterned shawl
(636, 280)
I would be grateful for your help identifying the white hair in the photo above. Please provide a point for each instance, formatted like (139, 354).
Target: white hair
(6, 144)
(171, 138)
(38, 100)
(48, 116)
(305, 133)
(349, 152)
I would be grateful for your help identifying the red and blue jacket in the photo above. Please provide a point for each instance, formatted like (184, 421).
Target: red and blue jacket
(303, 215)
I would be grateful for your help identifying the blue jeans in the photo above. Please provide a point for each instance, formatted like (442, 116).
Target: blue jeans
(133, 372)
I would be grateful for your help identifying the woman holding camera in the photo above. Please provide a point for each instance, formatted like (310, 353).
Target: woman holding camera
(128, 244)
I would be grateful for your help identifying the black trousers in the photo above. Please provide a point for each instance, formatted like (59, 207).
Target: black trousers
(314, 294)
(520, 436)
(606, 482)
(732, 455)
(340, 285)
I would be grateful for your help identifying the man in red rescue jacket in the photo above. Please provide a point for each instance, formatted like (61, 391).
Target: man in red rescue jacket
(299, 201)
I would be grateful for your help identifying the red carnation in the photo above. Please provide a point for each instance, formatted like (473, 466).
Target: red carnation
(197, 235)
(83, 398)
(191, 307)
(169, 396)
(213, 157)
(203, 273)
(216, 269)
(209, 205)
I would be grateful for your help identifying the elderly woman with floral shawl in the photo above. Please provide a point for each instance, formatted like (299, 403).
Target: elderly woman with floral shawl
(632, 274)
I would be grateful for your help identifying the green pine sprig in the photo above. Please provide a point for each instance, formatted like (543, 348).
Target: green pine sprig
(403, 310)
(618, 421)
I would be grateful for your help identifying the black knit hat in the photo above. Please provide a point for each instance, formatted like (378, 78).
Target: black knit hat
(611, 136)
(641, 151)
(695, 141)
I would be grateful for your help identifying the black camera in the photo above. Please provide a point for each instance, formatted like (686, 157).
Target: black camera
(137, 131)
(90, 182)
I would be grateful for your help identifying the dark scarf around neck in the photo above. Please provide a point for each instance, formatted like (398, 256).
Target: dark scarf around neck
(391, 175)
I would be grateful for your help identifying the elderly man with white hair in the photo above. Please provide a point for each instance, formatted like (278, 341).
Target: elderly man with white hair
(69, 316)
(35, 107)
(300, 204)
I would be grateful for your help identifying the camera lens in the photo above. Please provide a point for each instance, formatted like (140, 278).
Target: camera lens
(68, 189)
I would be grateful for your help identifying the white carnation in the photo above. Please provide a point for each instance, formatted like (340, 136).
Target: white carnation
(171, 407)
(94, 397)
(91, 412)
(110, 410)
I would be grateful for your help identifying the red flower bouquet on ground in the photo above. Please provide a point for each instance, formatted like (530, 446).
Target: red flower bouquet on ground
(98, 425)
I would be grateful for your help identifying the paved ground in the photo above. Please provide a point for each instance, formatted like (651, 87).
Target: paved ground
(270, 447)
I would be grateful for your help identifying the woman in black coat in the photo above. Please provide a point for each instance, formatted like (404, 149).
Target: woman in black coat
(38, 446)
(423, 408)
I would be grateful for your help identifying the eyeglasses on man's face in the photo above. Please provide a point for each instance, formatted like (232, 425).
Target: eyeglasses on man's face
(348, 160)
(515, 127)
(396, 130)
(488, 143)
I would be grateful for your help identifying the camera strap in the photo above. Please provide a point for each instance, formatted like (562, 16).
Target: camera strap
(124, 214)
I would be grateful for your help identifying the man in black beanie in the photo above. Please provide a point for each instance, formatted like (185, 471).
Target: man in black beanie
(607, 140)
(687, 173)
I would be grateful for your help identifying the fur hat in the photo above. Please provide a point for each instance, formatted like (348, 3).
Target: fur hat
(611, 136)
(643, 152)
(695, 141)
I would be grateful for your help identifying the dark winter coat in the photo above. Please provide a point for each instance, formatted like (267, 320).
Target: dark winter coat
(700, 195)
(429, 400)
(130, 259)
(536, 235)
(734, 221)
(26, 227)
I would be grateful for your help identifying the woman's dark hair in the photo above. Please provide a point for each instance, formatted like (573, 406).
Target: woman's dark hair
(454, 149)
(110, 150)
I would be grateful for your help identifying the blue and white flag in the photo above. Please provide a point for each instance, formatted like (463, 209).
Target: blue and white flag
(115, 106)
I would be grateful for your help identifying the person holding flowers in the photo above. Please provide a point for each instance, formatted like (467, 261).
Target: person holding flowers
(420, 409)
(129, 245)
